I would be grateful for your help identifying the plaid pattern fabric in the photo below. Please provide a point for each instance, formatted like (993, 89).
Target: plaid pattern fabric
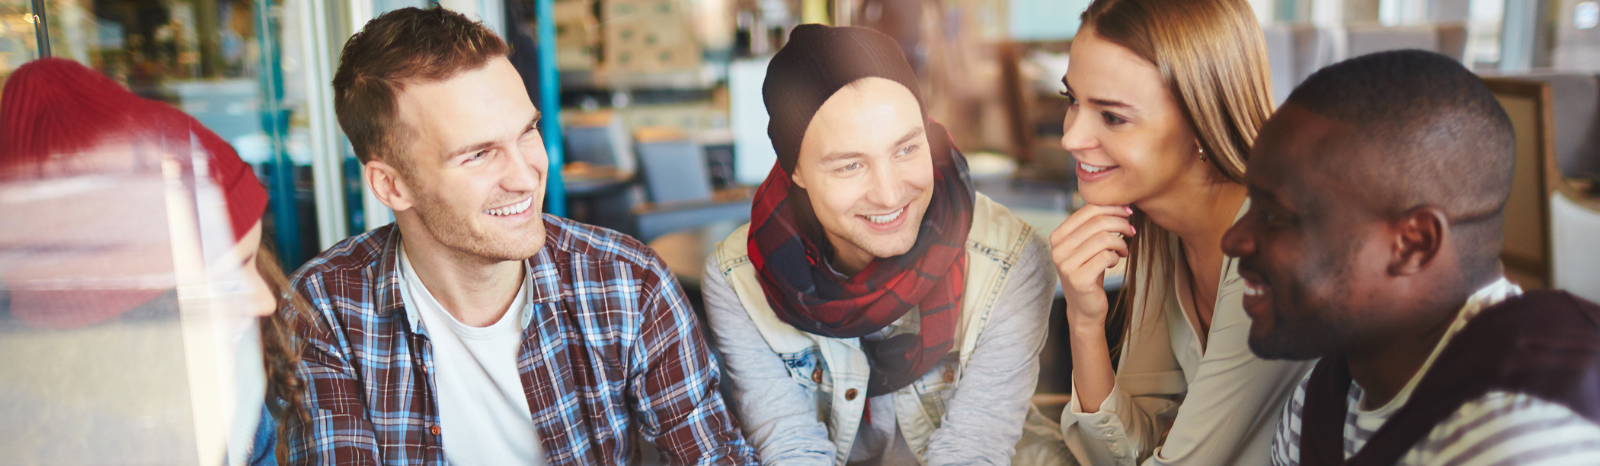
(612, 350)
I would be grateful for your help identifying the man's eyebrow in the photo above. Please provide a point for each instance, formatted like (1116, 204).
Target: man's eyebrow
(1261, 193)
(534, 123)
(838, 156)
(908, 137)
(467, 149)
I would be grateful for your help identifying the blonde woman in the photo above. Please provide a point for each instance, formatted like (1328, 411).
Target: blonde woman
(1165, 98)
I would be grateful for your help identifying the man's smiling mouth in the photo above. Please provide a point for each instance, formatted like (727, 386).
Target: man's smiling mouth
(511, 209)
(885, 218)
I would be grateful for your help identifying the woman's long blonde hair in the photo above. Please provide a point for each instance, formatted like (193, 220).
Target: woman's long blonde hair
(1213, 58)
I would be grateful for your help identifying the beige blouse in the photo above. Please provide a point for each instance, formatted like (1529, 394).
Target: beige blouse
(1177, 399)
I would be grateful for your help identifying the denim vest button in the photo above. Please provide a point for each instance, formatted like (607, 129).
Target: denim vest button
(850, 395)
(949, 376)
(816, 375)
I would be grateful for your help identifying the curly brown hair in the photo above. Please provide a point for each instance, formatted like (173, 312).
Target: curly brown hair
(281, 348)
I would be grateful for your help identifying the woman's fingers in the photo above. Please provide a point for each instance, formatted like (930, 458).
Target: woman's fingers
(1103, 261)
(1083, 215)
(1101, 233)
(1091, 277)
(1089, 241)
(1083, 259)
(1097, 227)
(1104, 242)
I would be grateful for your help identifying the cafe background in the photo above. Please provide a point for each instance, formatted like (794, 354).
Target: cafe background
(662, 131)
(674, 85)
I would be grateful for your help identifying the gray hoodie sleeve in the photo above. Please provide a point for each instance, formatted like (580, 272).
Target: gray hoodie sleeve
(984, 419)
(778, 416)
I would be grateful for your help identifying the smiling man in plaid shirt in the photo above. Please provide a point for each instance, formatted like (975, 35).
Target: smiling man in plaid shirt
(476, 330)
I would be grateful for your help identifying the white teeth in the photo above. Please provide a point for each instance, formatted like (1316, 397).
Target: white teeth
(1251, 289)
(511, 209)
(1091, 168)
(885, 218)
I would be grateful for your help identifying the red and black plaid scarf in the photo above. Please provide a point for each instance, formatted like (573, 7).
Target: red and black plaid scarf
(790, 255)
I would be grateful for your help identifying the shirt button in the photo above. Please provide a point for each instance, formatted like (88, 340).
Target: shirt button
(816, 375)
(434, 429)
(850, 395)
(949, 376)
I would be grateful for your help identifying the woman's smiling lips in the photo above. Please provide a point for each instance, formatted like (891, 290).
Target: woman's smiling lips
(1087, 172)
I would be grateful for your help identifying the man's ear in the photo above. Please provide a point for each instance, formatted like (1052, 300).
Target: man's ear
(1420, 237)
(387, 185)
(795, 177)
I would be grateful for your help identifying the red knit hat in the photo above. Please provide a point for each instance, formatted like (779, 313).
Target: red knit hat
(58, 106)
(53, 107)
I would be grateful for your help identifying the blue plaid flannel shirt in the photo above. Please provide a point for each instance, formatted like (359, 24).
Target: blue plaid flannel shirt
(613, 349)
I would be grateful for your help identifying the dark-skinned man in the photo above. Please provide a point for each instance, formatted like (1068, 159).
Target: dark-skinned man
(1372, 242)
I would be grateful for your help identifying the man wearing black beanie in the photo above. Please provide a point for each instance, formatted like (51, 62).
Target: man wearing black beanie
(877, 310)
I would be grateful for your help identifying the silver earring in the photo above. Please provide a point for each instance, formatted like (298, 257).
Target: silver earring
(1202, 154)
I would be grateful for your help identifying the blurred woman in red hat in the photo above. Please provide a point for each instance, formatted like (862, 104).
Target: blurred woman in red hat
(96, 235)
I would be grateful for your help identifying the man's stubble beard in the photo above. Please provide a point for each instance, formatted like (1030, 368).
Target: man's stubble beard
(1313, 331)
(863, 239)
(463, 234)
(1301, 338)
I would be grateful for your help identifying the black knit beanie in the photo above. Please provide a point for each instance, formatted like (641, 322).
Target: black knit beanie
(816, 62)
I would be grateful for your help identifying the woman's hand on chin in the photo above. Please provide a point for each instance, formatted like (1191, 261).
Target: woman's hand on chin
(1092, 240)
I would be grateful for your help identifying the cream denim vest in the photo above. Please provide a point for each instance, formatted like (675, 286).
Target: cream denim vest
(835, 369)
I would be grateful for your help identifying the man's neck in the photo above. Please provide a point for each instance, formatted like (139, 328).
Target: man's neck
(1383, 372)
(847, 259)
(1396, 358)
(475, 291)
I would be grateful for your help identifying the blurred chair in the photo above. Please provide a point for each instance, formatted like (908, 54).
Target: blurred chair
(1296, 50)
(597, 138)
(1361, 39)
(1451, 39)
(1575, 105)
(674, 166)
(678, 184)
(599, 170)
(588, 144)
(720, 157)
(1280, 59)
(1550, 224)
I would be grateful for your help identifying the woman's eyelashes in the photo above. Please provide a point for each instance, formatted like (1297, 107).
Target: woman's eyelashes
(1071, 100)
(1111, 119)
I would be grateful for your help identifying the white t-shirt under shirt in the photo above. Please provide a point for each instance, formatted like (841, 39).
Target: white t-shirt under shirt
(483, 413)
(1499, 428)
